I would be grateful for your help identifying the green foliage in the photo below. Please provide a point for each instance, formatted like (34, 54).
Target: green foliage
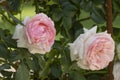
(22, 73)
(69, 17)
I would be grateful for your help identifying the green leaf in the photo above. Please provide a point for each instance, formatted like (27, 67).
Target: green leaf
(86, 6)
(76, 30)
(74, 75)
(36, 66)
(67, 22)
(56, 70)
(89, 6)
(57, 14)
(22, 73)
(116, 22)
(98, 16)
(4, 66)
(51, 2)
(10, 42)
(14, 56)
(69, 9)
(30, 63)
(98, 1)
(65, 60)
(14, 5)
(76, 2)
(116, 5)
(44, 73)
(4, 53)
(41, 60)
(83, 4)
(93, 77)
(18, 54)
(1, 34)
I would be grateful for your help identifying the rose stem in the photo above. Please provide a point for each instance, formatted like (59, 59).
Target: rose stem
(109, 30)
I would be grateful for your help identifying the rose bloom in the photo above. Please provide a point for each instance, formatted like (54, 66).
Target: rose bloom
(37, 35)
(116, 71)
(91, 50)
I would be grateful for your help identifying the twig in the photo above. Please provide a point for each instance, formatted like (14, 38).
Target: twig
(109, 16)
(110, 30)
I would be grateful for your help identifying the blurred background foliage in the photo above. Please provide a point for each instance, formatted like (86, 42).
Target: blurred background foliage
(69, 16)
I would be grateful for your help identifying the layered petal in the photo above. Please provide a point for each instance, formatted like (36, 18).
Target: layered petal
(93, 50)
(37, 34)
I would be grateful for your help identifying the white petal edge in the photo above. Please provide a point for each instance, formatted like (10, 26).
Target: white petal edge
(18, 31)
(26, 20)
(19, 34)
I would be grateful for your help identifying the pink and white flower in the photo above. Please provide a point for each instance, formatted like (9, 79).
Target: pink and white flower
(91, 50)
(37, 35)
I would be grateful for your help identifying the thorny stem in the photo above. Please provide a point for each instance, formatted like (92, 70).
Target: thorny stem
(110, 30)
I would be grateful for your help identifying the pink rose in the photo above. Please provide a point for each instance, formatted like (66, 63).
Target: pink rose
(116, 71)
(92, 50)
(37, 35)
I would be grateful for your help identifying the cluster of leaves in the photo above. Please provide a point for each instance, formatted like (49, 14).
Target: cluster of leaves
(69, 19)
(12, 8)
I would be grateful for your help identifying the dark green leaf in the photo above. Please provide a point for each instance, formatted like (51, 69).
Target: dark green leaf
(98, 1)
(4, 66)
(116, 22)
(76, 30)
(67, 22)
(4, 53)
(69, 9)
(93, 77)
(41, 60)
(57, 15)
(98, 16)
(83, 4)
(52, 53)
(74, 75)
(44, 73)
(14, 5)
(36, 66)
(14, 56)
(1, 34)
(65, 60)
(86, 6)
(22, 73)
(116, 5)
(89, 6)
(56, 70)
(76, 2)
(10, 42)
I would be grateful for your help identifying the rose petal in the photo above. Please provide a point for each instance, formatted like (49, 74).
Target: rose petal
(19, 34)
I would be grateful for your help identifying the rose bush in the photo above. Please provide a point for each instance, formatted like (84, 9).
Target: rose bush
(92, 50)
(70, 17)
(37, 35)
